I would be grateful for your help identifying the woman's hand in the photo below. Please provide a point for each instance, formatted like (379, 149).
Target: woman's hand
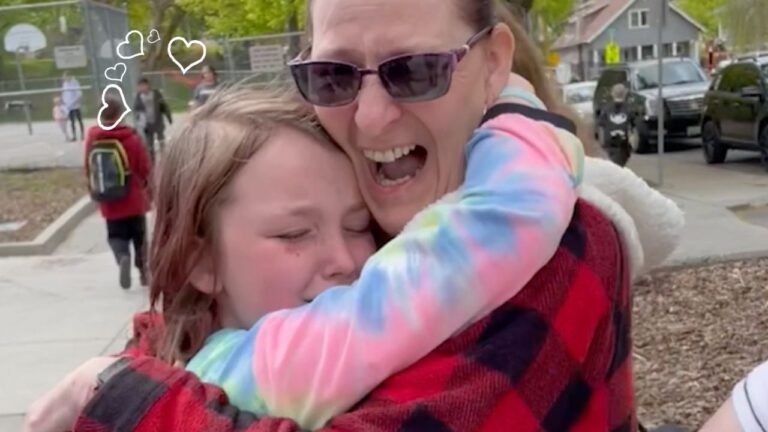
(60, 407)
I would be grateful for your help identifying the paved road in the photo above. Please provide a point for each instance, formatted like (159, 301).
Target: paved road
(46, 147)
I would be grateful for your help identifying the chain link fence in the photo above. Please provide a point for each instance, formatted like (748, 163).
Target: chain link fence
(96, 30)
(80, 39)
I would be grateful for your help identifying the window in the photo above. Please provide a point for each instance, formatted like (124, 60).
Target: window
(674, 72)
(739, 76)
(608, 79)
(629, 54)
(684, 49)
(647, 52)
(667, 51)
(638, 18)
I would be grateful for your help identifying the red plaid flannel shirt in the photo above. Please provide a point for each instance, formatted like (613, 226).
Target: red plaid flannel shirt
(554, 358)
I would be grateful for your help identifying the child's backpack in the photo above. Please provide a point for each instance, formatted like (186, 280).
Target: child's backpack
(108, 170)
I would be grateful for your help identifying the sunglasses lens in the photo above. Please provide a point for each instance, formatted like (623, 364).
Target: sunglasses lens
(326, 83)
(416, 78)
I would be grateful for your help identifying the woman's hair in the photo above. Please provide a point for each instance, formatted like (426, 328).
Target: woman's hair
(205, 153)
(527, 60)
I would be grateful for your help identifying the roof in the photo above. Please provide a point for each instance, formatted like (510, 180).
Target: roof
(604, 13)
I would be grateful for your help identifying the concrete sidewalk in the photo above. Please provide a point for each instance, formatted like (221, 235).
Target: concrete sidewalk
(55, 313)
(707, 193)
(46, 147)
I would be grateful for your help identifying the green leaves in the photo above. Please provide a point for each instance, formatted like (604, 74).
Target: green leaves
(703, 11)
(235, 18)
(744, 22)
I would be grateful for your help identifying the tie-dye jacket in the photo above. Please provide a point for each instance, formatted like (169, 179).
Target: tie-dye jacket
(454, 263)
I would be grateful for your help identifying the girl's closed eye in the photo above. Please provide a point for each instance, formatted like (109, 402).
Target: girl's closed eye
(294, 235)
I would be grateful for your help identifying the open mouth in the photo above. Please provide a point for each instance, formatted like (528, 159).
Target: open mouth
(396, 166)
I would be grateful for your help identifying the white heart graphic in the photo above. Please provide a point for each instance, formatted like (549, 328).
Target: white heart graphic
(183, 69)
(114, 69)
(156, 35)
(127, 41)
(104, 105)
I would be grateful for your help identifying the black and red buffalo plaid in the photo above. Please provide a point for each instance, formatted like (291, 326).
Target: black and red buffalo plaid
(555, 358)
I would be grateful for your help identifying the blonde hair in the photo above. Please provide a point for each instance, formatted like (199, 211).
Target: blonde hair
(205, 153)
(529, 63)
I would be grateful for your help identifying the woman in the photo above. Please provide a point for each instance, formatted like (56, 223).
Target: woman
(556, 357)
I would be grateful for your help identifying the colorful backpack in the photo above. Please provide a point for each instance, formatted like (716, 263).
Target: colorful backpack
(108, 170)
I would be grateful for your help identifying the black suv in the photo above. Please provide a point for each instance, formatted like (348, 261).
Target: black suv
(684, 86)
(736, 111)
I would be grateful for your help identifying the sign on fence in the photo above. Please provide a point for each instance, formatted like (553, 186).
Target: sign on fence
(70, 57)
(267, 58)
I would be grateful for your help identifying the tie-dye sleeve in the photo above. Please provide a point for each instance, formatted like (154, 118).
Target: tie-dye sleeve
(454, 263)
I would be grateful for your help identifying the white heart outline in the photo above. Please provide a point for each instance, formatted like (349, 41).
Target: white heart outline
(184, 70)
(127, 41)
(104, 105)
(149, 36)
(114, 68)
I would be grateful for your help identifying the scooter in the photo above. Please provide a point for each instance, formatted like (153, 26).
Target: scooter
(617, 133)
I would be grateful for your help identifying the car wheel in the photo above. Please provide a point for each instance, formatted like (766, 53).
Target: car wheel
(764, 146)
(714, 149)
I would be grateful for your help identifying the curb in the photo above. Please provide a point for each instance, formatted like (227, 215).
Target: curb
(681, 264)
(48, 240)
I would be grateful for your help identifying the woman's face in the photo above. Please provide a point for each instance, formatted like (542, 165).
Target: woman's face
(367, 32)
(294, 225)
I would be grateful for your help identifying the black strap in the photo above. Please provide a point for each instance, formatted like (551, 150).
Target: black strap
(532, 113)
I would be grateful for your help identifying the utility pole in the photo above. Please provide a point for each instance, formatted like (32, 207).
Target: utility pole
(660, 100)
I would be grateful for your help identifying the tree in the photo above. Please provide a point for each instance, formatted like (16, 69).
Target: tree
(744, 22)
(252, 17)
(703, 11)
(552, 16)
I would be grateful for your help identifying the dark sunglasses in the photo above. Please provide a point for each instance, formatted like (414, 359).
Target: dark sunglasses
(407, 78)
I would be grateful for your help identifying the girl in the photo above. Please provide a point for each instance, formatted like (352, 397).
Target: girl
(60, 116)
(413, 294)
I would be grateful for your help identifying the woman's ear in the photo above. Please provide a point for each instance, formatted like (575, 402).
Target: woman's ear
(499, 52)
(203, 276)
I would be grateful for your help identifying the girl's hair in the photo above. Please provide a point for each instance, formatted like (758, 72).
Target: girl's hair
(205, 153)
(527, 61)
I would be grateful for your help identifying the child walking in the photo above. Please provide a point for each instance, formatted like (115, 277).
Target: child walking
(261, 236)
(118, 171)
(60, 116)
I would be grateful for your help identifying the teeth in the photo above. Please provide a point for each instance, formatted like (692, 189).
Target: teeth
(390, 155)
(380, 179)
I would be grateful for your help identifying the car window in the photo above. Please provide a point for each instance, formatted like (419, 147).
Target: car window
(764, 72)
(579, 94)
(739, 76)
(674, 73)
(607, 80)
(726, 80)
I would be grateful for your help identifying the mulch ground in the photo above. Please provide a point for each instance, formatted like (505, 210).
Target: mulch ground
(697, 332)
(37, 196)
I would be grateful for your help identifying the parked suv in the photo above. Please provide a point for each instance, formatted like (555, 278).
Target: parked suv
(684, 86)
(736, 111)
